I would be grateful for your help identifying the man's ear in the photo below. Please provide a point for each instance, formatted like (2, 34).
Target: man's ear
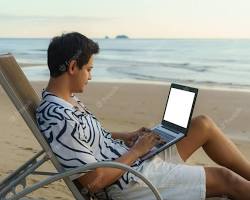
(72, 67)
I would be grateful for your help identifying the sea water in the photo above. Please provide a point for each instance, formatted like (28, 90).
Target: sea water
(219, 62)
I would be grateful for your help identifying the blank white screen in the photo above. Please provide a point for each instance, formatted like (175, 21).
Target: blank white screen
(179, 107)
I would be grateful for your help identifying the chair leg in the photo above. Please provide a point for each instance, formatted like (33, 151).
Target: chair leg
(18, 177)
(20, 169)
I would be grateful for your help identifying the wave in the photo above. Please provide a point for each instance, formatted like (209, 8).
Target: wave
(185, 65)
(136, 50)
(224, 60)
(43, 50)
(143, 77)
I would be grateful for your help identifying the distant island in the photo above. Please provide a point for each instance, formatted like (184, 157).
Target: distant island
(121, 37)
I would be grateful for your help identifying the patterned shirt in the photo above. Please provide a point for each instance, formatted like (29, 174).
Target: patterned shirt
(76, 136)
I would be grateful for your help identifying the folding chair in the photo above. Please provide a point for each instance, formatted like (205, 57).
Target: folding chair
(25, 99)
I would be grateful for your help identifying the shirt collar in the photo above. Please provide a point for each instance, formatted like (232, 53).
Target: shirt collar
(48, 96)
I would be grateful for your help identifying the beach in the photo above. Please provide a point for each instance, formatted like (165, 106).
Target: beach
(124, 106)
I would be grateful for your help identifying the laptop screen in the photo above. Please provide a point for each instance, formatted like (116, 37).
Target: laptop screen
(179, 107)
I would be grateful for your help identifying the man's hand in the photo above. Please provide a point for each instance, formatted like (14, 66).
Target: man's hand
(145, 143)
(132, 137)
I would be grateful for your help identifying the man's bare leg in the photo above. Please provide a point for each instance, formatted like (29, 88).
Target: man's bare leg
(204, 133)
(222, 181)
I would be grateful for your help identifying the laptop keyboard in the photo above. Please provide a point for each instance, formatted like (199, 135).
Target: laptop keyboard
(166, 137)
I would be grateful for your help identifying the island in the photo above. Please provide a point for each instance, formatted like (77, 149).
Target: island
(121, 37)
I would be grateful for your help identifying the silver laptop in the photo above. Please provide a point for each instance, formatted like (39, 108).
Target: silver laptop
(176, 118)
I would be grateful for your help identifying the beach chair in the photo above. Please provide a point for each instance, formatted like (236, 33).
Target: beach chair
(25, 99)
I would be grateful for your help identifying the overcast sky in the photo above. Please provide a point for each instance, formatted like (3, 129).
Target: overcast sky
(135, 18)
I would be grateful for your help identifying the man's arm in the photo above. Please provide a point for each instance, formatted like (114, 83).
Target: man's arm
(120, 135)
(102, 177)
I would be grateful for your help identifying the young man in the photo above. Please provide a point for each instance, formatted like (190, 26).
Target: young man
(77, 137)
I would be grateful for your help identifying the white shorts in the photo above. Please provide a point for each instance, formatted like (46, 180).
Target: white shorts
(168, 173)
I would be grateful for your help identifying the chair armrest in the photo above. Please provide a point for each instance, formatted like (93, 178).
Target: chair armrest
(83, 169)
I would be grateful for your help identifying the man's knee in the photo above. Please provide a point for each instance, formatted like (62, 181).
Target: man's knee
(202, 122)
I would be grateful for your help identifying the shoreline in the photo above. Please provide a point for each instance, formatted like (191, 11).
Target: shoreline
(25, 65)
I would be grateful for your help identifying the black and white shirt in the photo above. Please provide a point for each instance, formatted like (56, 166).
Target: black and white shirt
(76, 136)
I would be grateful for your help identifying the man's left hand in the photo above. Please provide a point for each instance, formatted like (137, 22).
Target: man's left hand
(132, 137)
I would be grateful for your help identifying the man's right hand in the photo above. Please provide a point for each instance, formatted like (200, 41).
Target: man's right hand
(145, 143)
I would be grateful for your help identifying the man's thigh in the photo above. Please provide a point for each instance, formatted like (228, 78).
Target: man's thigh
(174, 181)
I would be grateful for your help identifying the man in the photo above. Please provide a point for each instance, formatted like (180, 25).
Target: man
(77, 137)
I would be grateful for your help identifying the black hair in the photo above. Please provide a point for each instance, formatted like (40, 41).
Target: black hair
(67, 47)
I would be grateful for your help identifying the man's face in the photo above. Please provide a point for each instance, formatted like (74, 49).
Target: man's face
(80, 80)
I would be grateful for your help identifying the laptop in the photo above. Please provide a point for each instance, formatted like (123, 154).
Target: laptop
(176, 118)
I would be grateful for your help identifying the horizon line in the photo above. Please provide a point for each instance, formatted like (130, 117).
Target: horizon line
(141, 38)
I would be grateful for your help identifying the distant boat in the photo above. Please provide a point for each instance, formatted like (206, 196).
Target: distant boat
(106, 37)
(121, 37)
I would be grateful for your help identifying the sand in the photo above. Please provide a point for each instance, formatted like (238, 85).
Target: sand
(124, 107)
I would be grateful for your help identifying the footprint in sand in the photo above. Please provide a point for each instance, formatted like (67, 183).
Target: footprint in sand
(28, 149)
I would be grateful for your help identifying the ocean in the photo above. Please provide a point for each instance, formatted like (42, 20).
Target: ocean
(212, 62)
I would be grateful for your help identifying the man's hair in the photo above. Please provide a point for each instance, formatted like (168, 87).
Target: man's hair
(67, 47)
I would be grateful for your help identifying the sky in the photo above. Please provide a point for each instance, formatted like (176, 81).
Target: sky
(135, 18)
